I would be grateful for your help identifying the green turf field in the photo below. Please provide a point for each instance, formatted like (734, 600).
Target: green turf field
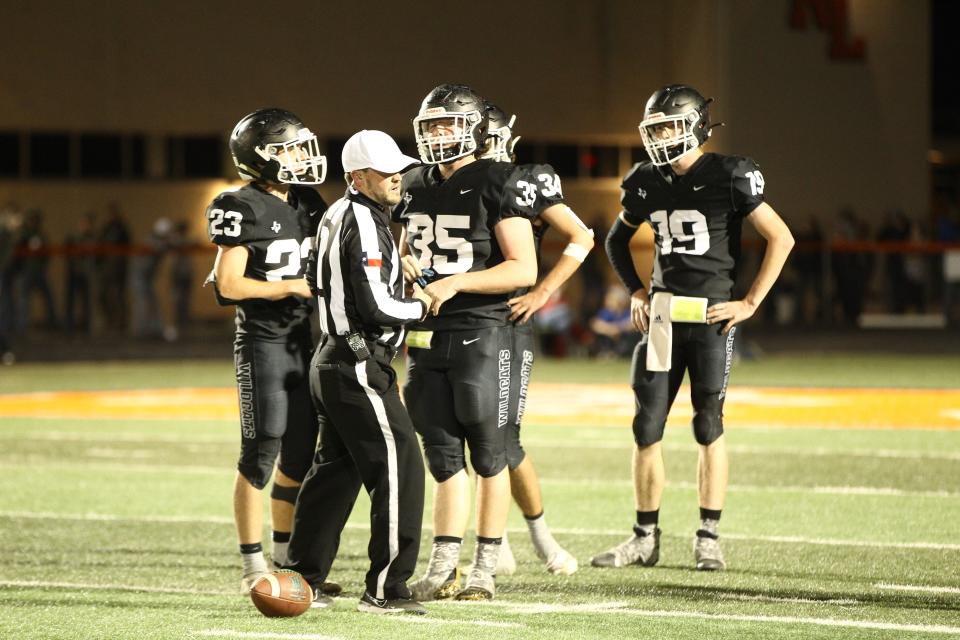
(123, 529)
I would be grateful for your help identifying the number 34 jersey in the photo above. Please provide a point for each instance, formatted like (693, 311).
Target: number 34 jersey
(450, 228)
(278, 237)
(696, 219)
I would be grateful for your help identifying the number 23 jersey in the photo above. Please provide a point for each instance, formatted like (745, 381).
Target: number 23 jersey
(696, 218)
(278, 237)
(450, 228)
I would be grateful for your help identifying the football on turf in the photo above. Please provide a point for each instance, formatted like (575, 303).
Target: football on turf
(281, 594)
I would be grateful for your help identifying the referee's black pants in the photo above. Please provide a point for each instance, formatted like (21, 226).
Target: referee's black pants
(365, 437)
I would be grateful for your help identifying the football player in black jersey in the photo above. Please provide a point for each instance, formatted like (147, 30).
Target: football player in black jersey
(696, 203)
(551, 212)
(263, 232)
(467, 221)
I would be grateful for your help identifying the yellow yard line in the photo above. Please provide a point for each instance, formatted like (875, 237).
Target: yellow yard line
(550, 403)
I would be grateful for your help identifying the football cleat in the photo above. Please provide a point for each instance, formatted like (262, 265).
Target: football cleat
(561, 563)
(246, 583)
(479, 586)
(321, 600)
(330, 588)
(436, 586)
(643, 550)
(707, 553)
(369, 604)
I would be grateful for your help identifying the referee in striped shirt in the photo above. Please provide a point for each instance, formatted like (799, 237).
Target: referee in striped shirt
(365, 433)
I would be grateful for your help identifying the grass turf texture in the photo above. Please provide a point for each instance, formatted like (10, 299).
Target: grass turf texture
(123, 528)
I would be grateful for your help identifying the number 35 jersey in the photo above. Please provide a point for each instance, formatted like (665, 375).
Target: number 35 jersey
(696, 218)
(450, 228)
(278, 237)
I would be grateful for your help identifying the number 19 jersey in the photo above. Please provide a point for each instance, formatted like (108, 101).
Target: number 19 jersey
(278, 237)
(450, 228)
(696, 218)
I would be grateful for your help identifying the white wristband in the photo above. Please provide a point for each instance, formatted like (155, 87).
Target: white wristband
(576, 251)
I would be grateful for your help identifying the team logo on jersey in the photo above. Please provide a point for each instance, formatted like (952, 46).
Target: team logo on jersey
(642, 193)
(275, 227)
(407, 198)
(372, 259)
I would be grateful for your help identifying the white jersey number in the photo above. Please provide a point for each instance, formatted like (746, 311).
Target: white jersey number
(683, 231)
(288, 253)
(226, 223)
(551, 185)
(756, 182)
(422, 232)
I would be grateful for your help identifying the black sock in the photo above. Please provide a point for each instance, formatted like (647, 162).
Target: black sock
(437, 539)
(254, 547)
(648, 518)
(709, 514)
(482, 540)
(281, 536)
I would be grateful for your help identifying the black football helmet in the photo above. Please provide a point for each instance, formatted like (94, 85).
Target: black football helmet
(675, 122)
(272, 145)
(467, 126)
(500, 138)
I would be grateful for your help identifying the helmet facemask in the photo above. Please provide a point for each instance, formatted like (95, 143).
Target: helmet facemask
(440, 149)
(299, 160)
(500, 142)
(664, 149)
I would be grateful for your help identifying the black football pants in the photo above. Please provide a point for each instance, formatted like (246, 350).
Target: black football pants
(365, 438)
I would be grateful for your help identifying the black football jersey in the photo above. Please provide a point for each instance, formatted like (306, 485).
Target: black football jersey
(549, 193)
(696, 218)
(278, 236)
(449, 228)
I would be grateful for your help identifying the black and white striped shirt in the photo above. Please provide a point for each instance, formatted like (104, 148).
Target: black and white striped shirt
(358, 275)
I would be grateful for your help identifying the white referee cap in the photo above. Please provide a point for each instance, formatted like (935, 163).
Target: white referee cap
(376, 150)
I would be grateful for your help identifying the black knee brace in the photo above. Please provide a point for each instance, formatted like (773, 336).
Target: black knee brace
(285, 494)
(444, 462)
(708, 421)
(487, 463)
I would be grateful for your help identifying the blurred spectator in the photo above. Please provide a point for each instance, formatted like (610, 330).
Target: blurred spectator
(146, 320)
(593, 271)
(851, 269)
(10, 222)
(915, 274)
(554, 321)
(896, 228)
(112, 269)
(181, 277)
(807, 263)
(948, 230)
(79, 245)
(32, 272)
(615, 335)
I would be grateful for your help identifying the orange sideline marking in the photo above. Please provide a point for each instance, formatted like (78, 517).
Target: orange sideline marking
(552, 404)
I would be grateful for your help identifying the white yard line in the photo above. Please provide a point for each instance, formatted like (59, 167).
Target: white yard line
(529, 609)
(266, 635)
(469, 623)
(916, 587)
(619, 608)
(42, 584)
(833, 542)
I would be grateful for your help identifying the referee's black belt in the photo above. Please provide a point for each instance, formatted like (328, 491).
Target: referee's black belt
(337, 347)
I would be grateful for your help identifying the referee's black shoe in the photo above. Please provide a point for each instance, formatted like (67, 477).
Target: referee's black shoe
(369, 604)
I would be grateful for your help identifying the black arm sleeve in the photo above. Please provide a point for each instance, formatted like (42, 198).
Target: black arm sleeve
(618, 252)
